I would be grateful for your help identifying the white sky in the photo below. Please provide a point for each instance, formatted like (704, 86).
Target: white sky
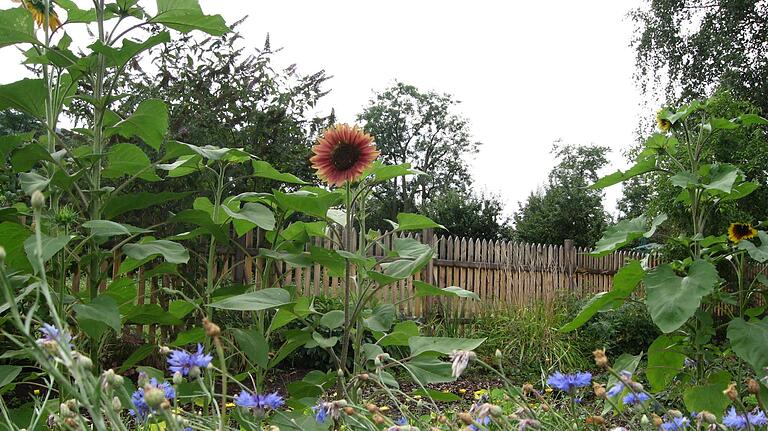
(527, 73)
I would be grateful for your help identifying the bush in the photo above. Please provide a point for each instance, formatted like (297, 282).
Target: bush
(628, 329)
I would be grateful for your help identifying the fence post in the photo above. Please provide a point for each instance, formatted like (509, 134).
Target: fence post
(428, 237)
(569, 253)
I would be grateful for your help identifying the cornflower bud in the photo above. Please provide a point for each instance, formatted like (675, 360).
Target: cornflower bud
(178, 378)
(600, 359)
(349, 410)
(656, 420)
(707, 417)
(116, 404)
(372, 408)
(599, 390)
(82, 360)
(378, 419)
(731, 392)
(211, 329)
(2, 255)
(644, 420)
(165, 350)
(153, 396)
(38, 200)
(466, 418)
(528, 389)
(143, 379)
(753, 387)
(364, 377)
(496, 411)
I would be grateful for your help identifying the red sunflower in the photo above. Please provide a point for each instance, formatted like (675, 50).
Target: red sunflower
(342, 154)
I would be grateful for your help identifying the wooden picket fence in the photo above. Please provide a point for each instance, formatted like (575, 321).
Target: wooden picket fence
(502, 273)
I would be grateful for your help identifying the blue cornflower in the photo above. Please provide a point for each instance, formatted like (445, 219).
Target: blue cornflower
(259, 402)
(485, 420)
(51, 333)
(187, 429)
(322, 411)
(738, 421)
(183, 362)
(635, 398)
(568, 382)
(137, 398)
(402, 421)
(618, 388)
(676, 424)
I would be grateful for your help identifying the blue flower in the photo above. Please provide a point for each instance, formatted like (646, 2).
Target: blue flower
(734, 420)
(632, 398)
(615, 390)
(183, 361)
(676, 424)
(402, 421)
(259, 402)
(137, 398)
(485, 420)
(757, 418)
(568, 382)
(321, 412)
(51, 333)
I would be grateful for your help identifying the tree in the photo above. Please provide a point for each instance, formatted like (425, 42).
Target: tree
(220, 94)
(420, 128)
(699, 45)
(469, 215)
(565, 208)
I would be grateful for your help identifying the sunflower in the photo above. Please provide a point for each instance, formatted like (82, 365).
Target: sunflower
(38, 8)
(663, 124)
(739, 231)
(342, 154)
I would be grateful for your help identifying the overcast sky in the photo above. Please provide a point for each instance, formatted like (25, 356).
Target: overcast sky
(527, 73)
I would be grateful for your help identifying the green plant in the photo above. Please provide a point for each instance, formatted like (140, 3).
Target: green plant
(683, 293)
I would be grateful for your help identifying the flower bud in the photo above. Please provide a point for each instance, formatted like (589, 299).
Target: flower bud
(82, 360)
(194, 373)
(753, 387)
(38, 200)
(496, 411)
(675, 413)
(644, 420)
(273, 428)
(498, 354)
(656, 420)
(364, 377)
(340, 372)
(116, 404)
(165, 405)
(599, 390)
(528, 389)
(143, 379)
(707, 417)
(466, 418)
(596, 420)
(2, 255)
(177, 378)
(372, 408)
(731, 392)
(153, 396)
(349, 410)
(165, 350)
(211, 329)
(600, 359)
(442, 419)
(64, 410)
(378, 419)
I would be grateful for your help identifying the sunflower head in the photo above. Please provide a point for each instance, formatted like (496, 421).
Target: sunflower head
(342, 154)
(739, 231)
(662, 122)
(38, 10)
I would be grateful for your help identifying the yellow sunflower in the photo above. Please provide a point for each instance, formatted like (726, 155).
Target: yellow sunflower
(38, 8)
(663, 124)
(739, 231)
(342, 154)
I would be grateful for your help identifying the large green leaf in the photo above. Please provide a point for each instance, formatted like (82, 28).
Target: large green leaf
(9, 143)
(408, 221)
(672, 299)
(401, 333)
(664, 361)
(122, 204)
(254, 215)
(263, 169)
(202, 219)
(31, 182)
(381, 319)
(102, 311)
(332, 319)
(118, 57)
(30, 155)
(722, 177)
(416, 256)
(749, 341)
(624, 232)
(12, 239)
(427, 369)
(382, 172)
(332, 261)
(263, 299)
(16, 26)
(760, 254)
(186, 16)
(8, 374)
(172, 252)
(107, 228)
(624, 283)
(444, 345)
(254, 345)
(644, 165)
(210, 152)
(129, 160)
(425, 289)
(151, 314)
(709, 397)
(312, 204)
(27, 95)
(149, 122)
(49, 247)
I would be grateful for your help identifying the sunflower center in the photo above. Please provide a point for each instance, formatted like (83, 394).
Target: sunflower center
(345, 155)
(742, 230)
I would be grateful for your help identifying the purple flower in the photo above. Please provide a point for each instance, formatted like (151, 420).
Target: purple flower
(635, 398)
(676, 424)
(142, 410)
(51, 333)
(184, 362)
(618, 388)
(569, 382)
(738, 421)
(321, 412)
(258, 402)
